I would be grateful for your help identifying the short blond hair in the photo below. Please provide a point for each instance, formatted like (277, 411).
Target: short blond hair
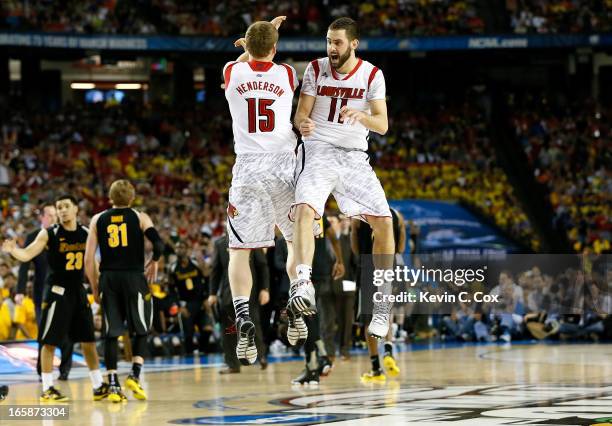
(261, 38)
(122, 193)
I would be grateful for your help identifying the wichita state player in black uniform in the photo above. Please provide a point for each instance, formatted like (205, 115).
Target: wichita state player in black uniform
(66, 309)
(124, 292)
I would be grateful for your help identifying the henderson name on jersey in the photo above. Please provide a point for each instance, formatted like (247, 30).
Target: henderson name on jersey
(260, 98)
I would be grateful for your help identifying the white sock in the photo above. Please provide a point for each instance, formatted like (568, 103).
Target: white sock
(303, 272)
(96, 378)
(47, 380)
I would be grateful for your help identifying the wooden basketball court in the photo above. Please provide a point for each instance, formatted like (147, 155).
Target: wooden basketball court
(483, 385)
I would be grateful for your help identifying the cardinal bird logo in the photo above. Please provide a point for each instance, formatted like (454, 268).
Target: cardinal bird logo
(231, 210)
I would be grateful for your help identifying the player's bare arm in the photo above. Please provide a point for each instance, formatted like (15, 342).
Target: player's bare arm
(302, 115)
(277, 22)
(338, 269)
(241, 42)
(150, 232)
(401, 241)
(244, 57)
(27, 253)
(91, 270)
(376, 121)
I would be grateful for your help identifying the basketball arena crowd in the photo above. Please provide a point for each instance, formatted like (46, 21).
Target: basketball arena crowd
(180, 163)
(377, 18)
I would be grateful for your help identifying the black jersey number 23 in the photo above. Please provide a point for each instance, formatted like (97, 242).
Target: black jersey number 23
(74, 261)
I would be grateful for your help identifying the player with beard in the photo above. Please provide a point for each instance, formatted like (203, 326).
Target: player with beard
(341, 101)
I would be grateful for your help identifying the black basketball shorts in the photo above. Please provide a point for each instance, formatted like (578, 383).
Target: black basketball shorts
(125, 299)
(66, 312)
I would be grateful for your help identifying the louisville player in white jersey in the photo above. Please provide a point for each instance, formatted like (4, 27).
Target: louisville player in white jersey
(260, 96)
(341, 101)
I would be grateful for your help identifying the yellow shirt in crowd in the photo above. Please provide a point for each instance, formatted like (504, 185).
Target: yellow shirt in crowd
(25, 314)
(5, 322)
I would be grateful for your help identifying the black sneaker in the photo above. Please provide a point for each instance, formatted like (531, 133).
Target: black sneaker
(100, 393)
(307, 377)
(325, 366)
(3, 392)
(53, 395)
(115, 394)
(246, 351)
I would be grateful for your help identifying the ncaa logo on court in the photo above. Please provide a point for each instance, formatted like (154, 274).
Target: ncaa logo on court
(487, 405)
(493, 405)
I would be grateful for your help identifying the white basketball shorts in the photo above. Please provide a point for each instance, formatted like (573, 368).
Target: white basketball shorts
(260, 197)
(323, 169)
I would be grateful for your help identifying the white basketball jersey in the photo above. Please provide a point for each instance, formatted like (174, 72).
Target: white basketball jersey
(260, 96)
(333, 91)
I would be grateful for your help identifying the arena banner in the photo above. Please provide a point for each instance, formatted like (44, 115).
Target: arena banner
(449, 227)
(289, 44)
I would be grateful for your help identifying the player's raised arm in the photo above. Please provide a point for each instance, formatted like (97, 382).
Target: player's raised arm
(241, 42)
(278, 21)
(31, 251)
(91, 270)
(244, 57)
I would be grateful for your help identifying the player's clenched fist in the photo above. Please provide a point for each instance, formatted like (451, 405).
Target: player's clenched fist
(307, 126)
(351, 116)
